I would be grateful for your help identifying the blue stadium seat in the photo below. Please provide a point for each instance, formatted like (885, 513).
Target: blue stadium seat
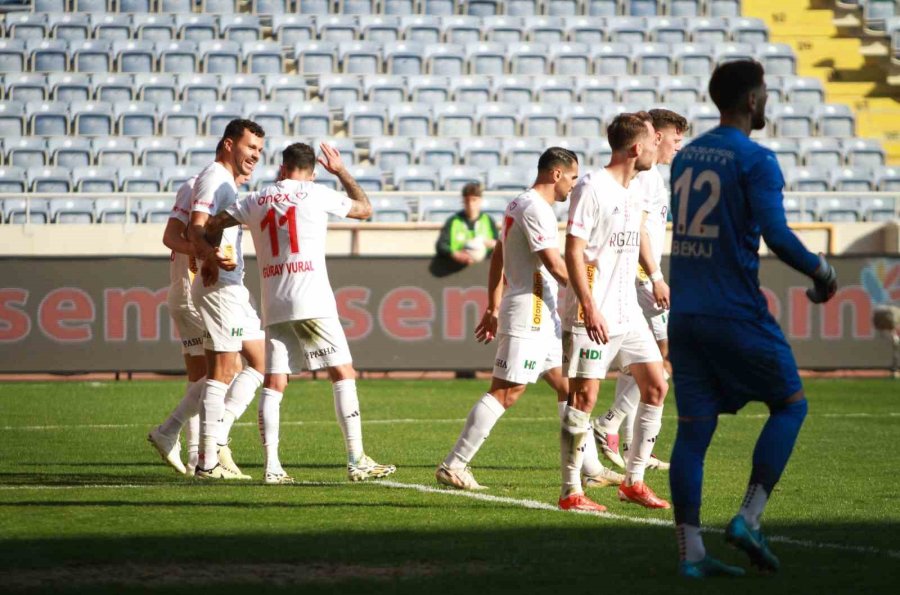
(69, 26)
(730, 51)
(361, 7)
(240, 27)
(366, 119)
(643, 8)
(522, 152)
(391, 209)
(411, 119)
(19, 210)
(70, 152)
(154, 27)
(835, 120)
(591, 31)
(805, 90)
(463, 30)
(710, 30)
(454, 119)
(219, 6)
(157, 151)
(807, 179)
(72, 210)
(863, 152)
(49, 5)
(545, 29)
(245, 88)
(263, 57)
(48, 55)
(45, 118)
(503, 29)
(684, 8)
(598, 90)
(368, 177)
(25, 152)
(821, 152)
(582, 120)
(12, 181)
(702, 117)
(404, 57)
(136, 118)
(436, 209)
(438, 7)
(639, 90)
(416, 178)
(198, 152)
(555, 90)
(157, 88)
(505, 178)
(94, 6)
(794, 121)
(800, 210)
(447, 59)
(286, 88)
(337, 90)
(380, 28)
(337, 28)
(749, 30)
(311, 119)
(787, 151)
(694, 59)
(398, 7)
(481, 152)
(134, 55)
(724, 8)
(180, 119)
(96, 179)
(197, 27)
(777, 58)
(424, 29)
(114, 152)
(612, 59)
(113, 210)
(837, 209)
(671, 29)
(24, 86)
(389, 152)
(384, 89)
(528, 58)
(174, 6)
(539, 120)
(601, 8)
(199, 88)
(429, 89)
(577, 144)
(570, 58)
(345, 146)
(157, 210)
(49, 179)
(624, 29)
(497, 119)
(181, 56)
(483, 8)
(25, 25)
(486, 58)
(13, 57)
(113, 88)
(878, 209)
(316, 57)
(852, 179)
(360, 57)
(652, 59)
(221, 57)
(216, 117)
(474, 89)
(436, 152)
(92, 55)
(289, 29)
(112, 27)
(680, 89)
(454, 177)
(314, 6)
(141, 179)
(92, 118)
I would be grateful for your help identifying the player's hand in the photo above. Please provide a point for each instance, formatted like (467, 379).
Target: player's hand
(486, 331)
(225, 262)
(462, 257)
(331, 159)
(192, 264)
(595, 325)
(661, 294)
(824, 282)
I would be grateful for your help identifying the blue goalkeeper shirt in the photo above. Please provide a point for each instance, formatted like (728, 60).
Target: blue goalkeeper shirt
(726, 192)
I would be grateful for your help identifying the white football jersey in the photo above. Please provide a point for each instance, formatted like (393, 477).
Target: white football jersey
(651, 188)
(215, 191)
(608, 217)
(288, 221)
(180, 277)
(529, 298)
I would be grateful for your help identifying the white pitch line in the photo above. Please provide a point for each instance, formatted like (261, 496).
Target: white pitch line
(520, 502)
(406, 420)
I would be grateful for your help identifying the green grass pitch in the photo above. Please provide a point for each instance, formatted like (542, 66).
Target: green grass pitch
(87, 506)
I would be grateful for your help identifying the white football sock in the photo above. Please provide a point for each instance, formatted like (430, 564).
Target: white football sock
(561, 409)
(627, 397)
(649, 420)
(240, 395)
(269, 424)
(481, 420)
(192, 437)
(346, 409)
(690, 543)
(211, 411)
(754, 504)
(188, 406)
(572, 436)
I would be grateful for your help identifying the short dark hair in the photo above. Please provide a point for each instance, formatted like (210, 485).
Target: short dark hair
(299, 156)
(471, 189)
(556, 157)
(626, 129)
(663, 118)
(732, 81)
(235, 129)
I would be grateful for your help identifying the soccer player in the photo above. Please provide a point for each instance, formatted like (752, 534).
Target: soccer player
(727, 349)
(602, 320)
(652, 291)
(182, 266)
(525, 321)
(229, 319)
(289, 222)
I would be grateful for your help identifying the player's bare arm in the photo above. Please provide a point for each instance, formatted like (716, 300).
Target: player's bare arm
(645, 257)
(360, 207)
(555, 265)
(594, 323)
(486, 330)
(174, 238)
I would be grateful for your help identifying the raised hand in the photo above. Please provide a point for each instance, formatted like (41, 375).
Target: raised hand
(331, 159)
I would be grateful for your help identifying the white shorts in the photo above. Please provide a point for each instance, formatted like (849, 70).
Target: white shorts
(582, 358)
(656, 318)
(229, 318)
(523, 360)
(315, 343)
(190, 329)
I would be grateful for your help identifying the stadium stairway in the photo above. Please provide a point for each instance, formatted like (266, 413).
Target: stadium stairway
(853, 71)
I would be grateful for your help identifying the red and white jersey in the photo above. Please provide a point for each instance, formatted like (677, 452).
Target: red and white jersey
(529, 304)
(215, 191)
(651, 188)
(608, 217)
(288, 221)
(180, 277)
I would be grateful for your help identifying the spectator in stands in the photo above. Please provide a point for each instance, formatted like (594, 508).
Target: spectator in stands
(469, 235)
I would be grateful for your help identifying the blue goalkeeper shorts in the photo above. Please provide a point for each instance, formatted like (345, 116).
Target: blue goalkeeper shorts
(721, 364)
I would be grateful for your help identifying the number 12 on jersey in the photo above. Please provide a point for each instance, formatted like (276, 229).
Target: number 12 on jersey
(697, 228)
(273, 222)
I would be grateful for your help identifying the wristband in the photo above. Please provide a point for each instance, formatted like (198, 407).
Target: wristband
(656, 276)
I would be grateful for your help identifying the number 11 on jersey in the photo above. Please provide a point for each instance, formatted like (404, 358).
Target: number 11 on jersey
(269, 221)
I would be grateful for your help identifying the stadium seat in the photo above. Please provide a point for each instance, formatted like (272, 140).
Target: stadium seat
(366, 119)
(50, 179)
(199, 88)
(638, 90)
(113, 27)
(424, 29)
(837, 209)
(245, 88)
(404, 57)
(591, 31)
(680, 89)
(642, 7)
(113, 88)
(800, 210)
(271, 115)
(314, 6)
(626, 29)
(436, 152)
(289, 29)
(694, 59)
(157, 210)
(360, 7)
(702, 117)
(174, 6)
(338, 90)
(286, 88)
(216, 117)
(311, 119)
(835, 120)
(25, 25)
(368, 177)
(436, 209)
(92, 118)
(71, 210)
(483, 8)
(198, 151)
(512, 89)
(68, 87)
(417, 178)
(116, 210)
(669, 30)
(360, 57)
(555, 90)
(181, 56)
(157, 151)
(429, 89)
(446, 59)
(577, 144)
(18, 210)
(197, 27)
(476, 89)
(263, 175)
(652, 59)
(749, 30)
(821, 152)
(380, 28)
(724, 8)
(863, 152)
(852, 179)
(134, 55)
(548, 30)
(69, 26)
(582, 120)
(570, 58)
(777, 59)
(528, 58)
(94, 6)
(13, 57)
(12, 181)
(156, 88)
(48, 55)
(114, 152)
(454, 119)
(786, 150)
(612, 59)
(454, 177)
(411, 119)
(96, 179)
(49, 5)
(438, 7)
(92, 55)
(316, 57)
(793, 121)
(503, 29)
(25, 152)
(180, 119)
(730, 51)
(709, 30)
(481, 152)
(398, 7)
(136, 118)
(337, 28)
(596, 90)
(876, 13)
(263, 57)
(539, 120)
(70, 152)
(506, 178)
(45, 118)
(878, 208)
(390, 152)
(391, 209)
(807, 179)
(384, 89)
(805, 90)
(461, 30)
(486, 58)
(154, 27)
(220, 57)
(12, 118)
(240, 27)
(497, 119)
(522, 152)
(270, 7)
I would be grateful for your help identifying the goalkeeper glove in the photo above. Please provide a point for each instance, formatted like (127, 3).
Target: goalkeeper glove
(824, 282)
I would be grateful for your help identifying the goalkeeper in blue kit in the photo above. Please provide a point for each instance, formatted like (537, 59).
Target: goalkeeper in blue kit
(726, 349)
